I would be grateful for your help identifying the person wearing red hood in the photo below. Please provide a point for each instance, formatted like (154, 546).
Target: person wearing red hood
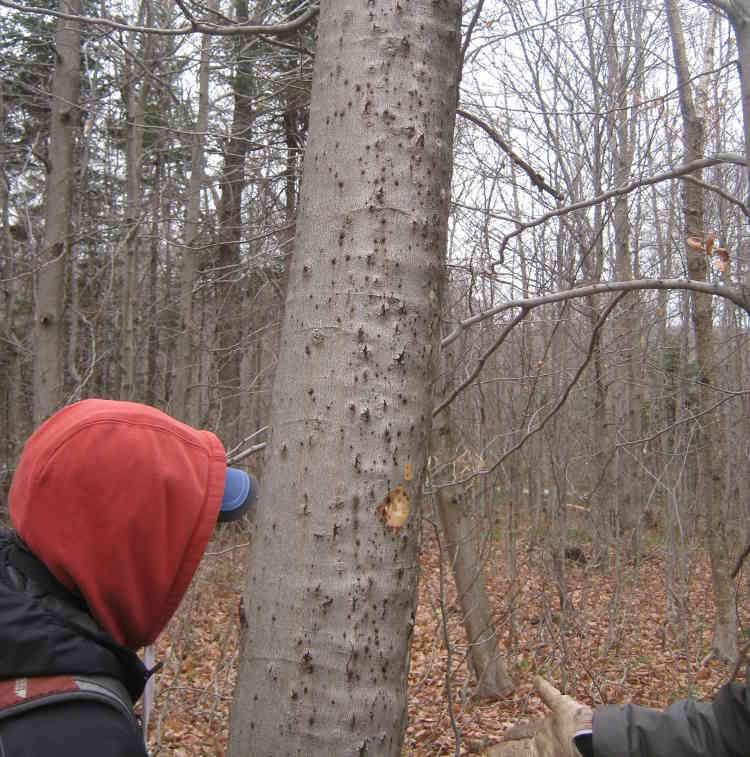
(112, 505)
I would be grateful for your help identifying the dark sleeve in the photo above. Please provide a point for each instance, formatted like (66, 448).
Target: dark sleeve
(72, 729)
(732, 710)
(688, 728)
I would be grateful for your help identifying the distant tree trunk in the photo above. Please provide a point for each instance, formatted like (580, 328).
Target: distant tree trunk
(725, 623)
(229, 321)
(738, 12)
(463, 538)
(136, 90)
(152, 373)
(10, 359)
(331, 589)
(185, 402)
(621, 131)
(49, 335)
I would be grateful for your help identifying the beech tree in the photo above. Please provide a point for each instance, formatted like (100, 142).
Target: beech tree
(330, 595)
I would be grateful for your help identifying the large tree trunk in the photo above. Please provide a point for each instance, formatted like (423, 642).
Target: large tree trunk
(331, 590)
(49, 341)
(725, 623)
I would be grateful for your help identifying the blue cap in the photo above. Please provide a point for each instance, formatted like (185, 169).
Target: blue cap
(240, 491)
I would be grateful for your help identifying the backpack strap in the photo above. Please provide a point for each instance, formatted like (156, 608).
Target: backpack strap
(19, 695)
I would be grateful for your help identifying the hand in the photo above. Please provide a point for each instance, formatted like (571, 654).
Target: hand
(553, 736)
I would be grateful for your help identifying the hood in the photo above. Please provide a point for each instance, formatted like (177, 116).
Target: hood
(119, 500)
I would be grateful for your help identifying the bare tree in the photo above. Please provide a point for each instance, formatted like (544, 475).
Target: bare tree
(50, 279)
(185, 401)
(697, 237)
(229, 281)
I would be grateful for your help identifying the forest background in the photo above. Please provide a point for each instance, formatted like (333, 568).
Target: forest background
(576, 506)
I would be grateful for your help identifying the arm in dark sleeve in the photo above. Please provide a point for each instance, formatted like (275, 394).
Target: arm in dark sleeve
(689, 728)
(732, 710)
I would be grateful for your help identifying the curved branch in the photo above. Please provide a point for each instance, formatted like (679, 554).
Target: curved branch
(733, 294)
(719, 191)
(284, 27)
(675, 173)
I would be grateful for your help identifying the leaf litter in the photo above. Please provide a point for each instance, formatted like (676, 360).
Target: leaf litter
(648, 659)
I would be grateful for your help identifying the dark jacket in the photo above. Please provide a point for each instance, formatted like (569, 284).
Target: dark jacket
(45, 630)
(688, 728)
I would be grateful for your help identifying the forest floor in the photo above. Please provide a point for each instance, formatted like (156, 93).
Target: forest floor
(646, 660)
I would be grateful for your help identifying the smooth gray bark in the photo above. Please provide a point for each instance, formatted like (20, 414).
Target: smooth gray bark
(331, 589)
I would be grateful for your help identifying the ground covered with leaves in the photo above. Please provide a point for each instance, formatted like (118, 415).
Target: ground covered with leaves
(647, 643)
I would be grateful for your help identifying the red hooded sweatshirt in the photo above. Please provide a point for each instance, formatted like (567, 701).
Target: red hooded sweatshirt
(119, 501)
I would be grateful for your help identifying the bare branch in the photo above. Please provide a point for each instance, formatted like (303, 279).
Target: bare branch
(536, 178)
(675, 173)
(469, 32)
(721, 192)
(246, 453)
(560, 400)
(201, 27)
(733, 294)
(482, 360)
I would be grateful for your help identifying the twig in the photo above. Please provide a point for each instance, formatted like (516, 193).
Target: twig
(234, 449)
(446, 639)
(246, 453)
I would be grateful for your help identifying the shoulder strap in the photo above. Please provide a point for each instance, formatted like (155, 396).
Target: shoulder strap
(19, 695)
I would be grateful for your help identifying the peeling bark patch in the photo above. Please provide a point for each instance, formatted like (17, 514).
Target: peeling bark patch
(394, 509)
